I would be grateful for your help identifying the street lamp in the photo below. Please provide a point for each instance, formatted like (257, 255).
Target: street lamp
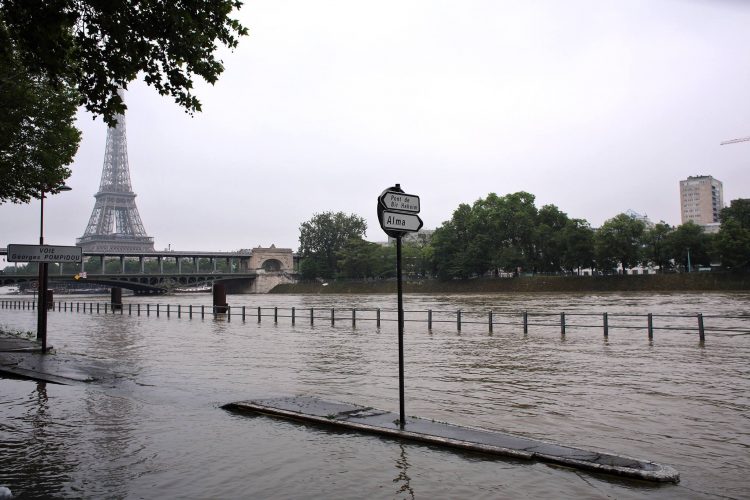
(41, 325)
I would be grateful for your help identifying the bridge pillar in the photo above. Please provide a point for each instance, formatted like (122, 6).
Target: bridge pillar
(116, 294)
(213, 261)
(122, 264)
(161, 264)
(142, 262)
(102, 259)
(179, 265)
(220, 298)
(196, 265)
(83, 264)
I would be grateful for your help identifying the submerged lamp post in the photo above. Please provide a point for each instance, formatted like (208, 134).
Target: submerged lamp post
(41, 328)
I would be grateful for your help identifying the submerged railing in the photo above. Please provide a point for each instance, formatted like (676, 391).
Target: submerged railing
(523, 321)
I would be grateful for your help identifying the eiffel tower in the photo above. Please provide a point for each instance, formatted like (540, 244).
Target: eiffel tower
(115, 225)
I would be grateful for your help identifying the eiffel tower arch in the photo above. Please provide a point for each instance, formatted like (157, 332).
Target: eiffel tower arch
(115, 225)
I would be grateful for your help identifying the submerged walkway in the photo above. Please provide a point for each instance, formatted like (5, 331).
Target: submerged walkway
(23, 358)
(384, 423)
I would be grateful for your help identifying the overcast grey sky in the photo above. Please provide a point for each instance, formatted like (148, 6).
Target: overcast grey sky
(596, 106)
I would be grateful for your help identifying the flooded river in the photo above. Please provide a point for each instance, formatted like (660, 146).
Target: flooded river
(158, 430)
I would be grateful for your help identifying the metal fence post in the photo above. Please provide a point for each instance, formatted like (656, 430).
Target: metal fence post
(605, 325)
(190, 311)
(275, 315)
(333, 316)
(429, 319)
(203, 311)
(701, 330)
(458, 320)
(293, 315)
(490, 321)
(377, 317)
(229, 314)
(312, 316)
(354, 317)
(650, 326)
(243, 314)
(525, 322)
(562, 323)
(258, 314)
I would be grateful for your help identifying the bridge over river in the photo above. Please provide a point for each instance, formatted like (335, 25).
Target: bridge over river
(254, 270)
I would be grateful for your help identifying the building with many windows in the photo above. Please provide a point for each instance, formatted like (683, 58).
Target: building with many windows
(701, 200)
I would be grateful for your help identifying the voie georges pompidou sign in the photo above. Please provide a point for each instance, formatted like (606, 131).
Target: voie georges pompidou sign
(44, 253)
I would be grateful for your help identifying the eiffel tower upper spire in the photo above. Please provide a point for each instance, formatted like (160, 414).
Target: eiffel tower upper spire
(115, 224)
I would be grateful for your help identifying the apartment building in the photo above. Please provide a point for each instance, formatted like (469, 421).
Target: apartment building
(701, 200)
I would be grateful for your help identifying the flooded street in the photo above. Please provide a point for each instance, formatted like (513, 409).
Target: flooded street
(159, 431)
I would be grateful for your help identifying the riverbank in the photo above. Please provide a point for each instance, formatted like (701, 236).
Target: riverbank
(693, 282)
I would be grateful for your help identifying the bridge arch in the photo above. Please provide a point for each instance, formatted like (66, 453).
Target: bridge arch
(272, 265)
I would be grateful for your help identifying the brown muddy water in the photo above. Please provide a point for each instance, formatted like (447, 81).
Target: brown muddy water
(158, 431)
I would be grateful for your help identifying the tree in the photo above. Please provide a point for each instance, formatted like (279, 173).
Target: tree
(37, 137)
(690, 244)
(733, 241)
(656, 248)
(578, 245)
(451, 257)
(55, 55)
(550, 245)
(359, 259)
(323, 236)
(618, 241)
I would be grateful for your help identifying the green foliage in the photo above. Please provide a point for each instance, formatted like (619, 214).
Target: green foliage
(690, 239)
(360, 259)
(507, 233)
(619, 241)
(55, 56)
(577, 245)
(325, 235)
(38, 139)
(733, 241)
(98, 46)
(657, 249)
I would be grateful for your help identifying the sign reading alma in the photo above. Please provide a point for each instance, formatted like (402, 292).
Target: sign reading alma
(44, 253)
(400, 222)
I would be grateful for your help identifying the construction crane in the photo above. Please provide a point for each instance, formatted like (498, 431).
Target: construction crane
(743, 139)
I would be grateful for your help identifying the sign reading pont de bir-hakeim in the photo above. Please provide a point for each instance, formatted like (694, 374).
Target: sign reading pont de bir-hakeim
(44, 253)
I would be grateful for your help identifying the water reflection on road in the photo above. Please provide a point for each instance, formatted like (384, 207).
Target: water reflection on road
(157, 430)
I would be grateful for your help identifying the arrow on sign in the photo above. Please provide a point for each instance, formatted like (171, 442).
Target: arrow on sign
(400, 222)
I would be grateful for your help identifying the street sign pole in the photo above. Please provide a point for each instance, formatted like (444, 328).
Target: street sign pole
(41, 288)
(397, 213)
(400, 289)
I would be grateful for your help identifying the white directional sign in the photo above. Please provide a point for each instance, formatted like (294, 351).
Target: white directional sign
(401, 202)
(44, 253)
(400, 222)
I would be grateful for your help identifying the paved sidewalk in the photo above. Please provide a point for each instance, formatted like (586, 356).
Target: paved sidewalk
(23, 358)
